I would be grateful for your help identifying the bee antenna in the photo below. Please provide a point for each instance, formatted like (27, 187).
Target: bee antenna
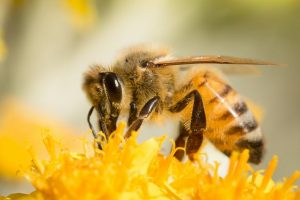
(91, 126)
(89, 121)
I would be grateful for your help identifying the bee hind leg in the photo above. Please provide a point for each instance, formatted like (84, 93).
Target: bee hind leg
(198, 121)
(180, 141)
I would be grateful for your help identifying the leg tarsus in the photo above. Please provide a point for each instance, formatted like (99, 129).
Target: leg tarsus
(193, 144)
(180, 141)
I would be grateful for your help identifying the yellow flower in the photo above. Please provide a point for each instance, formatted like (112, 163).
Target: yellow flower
(128, 170)
(20, 128)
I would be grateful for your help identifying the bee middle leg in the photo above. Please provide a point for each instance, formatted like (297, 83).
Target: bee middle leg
(198, 122)
(136, 121)
(132, 113)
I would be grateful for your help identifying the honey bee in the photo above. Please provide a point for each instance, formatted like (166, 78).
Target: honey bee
(145, 83)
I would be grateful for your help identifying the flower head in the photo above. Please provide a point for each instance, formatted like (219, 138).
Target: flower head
(125, 169)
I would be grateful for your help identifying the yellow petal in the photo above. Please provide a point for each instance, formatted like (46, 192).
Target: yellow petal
(20, 128)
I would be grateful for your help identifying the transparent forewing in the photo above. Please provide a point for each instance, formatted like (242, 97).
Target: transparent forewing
(209, 60)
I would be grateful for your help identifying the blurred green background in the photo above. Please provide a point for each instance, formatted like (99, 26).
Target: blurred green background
(45, 46)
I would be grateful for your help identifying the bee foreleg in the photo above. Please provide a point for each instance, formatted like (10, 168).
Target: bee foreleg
(144, 113)
(198, 121)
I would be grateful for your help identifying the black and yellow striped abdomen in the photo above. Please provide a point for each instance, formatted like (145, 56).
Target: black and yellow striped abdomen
(230, 124)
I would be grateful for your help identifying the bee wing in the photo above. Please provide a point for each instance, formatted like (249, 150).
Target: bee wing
(239, 70)
(209, 60)
(232, 70)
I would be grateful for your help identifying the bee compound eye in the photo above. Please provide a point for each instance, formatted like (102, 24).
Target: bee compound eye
(113, 87)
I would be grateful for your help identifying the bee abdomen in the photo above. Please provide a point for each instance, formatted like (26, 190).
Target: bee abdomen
(231, 125)
(251, 136)
(225, 91)
(239, 108)
(256, 149)
(243, 124)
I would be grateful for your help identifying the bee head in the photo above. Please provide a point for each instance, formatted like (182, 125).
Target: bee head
(139, 57)
(104, 90)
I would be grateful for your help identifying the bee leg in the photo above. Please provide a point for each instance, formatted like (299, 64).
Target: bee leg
(147, 109)
(198, 121)
(180, 141)
(91, 126)
(132, 113)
